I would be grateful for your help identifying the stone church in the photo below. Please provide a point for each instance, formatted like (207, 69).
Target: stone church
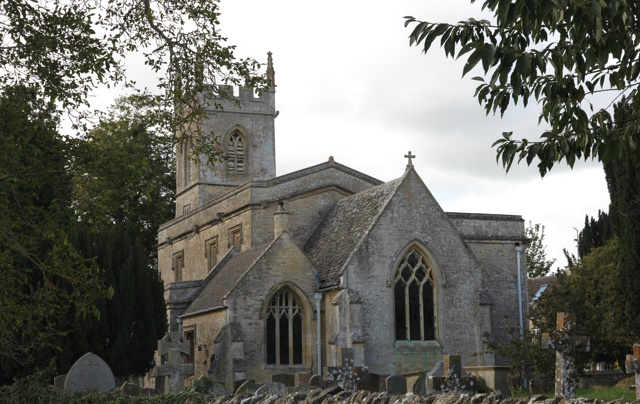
(269, 274)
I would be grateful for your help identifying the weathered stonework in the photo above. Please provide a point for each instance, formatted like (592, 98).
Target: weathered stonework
(342, 234)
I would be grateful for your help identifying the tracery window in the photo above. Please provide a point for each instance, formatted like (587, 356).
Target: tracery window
(235, 155)
(414, 299)
(284, 329)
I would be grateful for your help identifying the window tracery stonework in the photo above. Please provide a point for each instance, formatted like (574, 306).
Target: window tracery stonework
(414, 298)
(236, 155)
(284, 329)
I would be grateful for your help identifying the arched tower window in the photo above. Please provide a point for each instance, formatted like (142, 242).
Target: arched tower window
(413, 291)
(284, 329)
(236, 156)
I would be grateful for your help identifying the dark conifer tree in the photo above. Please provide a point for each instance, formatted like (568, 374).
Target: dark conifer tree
(623, 181)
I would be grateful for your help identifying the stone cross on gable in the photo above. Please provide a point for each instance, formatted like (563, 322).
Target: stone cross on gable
(176, 347)
(409, 156)
(448, 376)
(566, 345)
(632, 365)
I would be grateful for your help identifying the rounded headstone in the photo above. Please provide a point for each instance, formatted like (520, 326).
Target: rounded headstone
(89, 372)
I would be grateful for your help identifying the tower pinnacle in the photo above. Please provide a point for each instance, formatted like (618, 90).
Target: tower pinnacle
(271, 74)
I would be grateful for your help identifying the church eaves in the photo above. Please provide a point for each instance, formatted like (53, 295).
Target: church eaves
(341, 231)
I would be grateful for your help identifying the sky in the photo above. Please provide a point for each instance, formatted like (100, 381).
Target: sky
(349, 86)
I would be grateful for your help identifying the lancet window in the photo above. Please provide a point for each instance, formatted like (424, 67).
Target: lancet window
(284, 329)
(236, 155)
(414, 298)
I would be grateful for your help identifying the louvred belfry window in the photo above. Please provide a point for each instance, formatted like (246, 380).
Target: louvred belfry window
(284, 329)
(414, 299)
(236, 155)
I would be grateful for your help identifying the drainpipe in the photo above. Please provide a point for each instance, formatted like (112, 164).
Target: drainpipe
(518, 251)
(179, 320)
(318, 297)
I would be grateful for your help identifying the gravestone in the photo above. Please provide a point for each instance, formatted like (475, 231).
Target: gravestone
(448, 376)
(375, 383)
(176, 348)
(288, 379)
(396, 384)
(566, 344)
(632, 365)
(316, 381)
(247, 388)
(272, 389)
(58, 381)
(89, 372)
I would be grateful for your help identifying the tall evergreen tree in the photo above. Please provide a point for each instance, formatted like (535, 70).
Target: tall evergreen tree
(596, 233)
(623, 181)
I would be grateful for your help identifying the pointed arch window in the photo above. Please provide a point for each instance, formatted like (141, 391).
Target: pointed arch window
(236, 154)
(414, 298)
(284, 329)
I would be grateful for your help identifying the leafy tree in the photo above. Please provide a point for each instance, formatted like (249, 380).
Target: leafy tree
(592, 292)
(525, 355)
(623, 181)
(124, 180)
(67, 48)
(537, 263)
(559, 53)
(43, 274)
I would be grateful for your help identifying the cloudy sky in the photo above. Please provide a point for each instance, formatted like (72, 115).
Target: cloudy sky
(349, 85)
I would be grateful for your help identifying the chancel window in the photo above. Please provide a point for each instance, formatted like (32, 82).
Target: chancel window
(235, 155)
(414, 299)
(284, 329)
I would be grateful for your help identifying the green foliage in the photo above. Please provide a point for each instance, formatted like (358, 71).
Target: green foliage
(591, 292)
(537, 263)
(525, 354)
(204, 384)
(623, 181)
(34, 388)
(480, 386)
(596, 233)
(67, 49)
(43, 275)
(120, 183)
(559, 53)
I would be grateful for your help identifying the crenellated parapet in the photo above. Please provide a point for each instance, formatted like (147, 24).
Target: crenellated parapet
(245, 99)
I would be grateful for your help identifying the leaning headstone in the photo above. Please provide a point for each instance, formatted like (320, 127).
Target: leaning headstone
(89, 372)
(247, 388)
(316, 381)
(58, 381)
(448, 376)
(272, 389)
(566, 343)
(177, 348)
(396, 384)
(632, 365)
(288, 379)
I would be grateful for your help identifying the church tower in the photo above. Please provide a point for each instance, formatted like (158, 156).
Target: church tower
(246, 136)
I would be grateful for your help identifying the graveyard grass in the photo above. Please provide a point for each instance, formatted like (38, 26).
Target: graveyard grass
(606, 394)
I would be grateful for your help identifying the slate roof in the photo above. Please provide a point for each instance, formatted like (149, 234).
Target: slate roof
(536, 284)
(340, 233)
(222, 280)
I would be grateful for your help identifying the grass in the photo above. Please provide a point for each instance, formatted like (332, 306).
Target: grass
(601, 393)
